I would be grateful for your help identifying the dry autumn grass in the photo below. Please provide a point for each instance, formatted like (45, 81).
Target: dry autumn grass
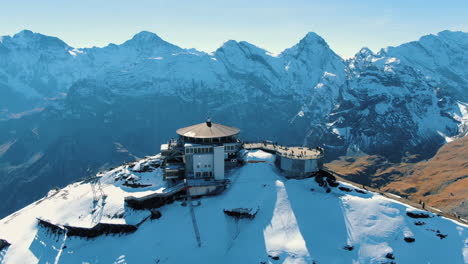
(440, 182)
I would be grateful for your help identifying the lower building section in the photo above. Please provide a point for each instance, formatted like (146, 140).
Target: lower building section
(298, 168)
(206, 187)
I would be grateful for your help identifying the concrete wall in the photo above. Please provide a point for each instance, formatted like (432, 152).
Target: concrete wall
(297, 165)
(202, 163)
(286, 164)
(189, 163)
(201, 190)
(311, 165)
(218, 162)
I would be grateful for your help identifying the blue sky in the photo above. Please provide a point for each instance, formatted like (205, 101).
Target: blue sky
(206, 24)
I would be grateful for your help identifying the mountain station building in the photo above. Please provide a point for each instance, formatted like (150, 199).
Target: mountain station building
(201, 154)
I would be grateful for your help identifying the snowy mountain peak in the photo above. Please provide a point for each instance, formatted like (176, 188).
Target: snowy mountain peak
(313, 38)
(241, 45)
(24, 33)
(377, 104)
(312, 46)
(149, 40)
(27, 38)
(243, 56)
(229, 44)
(442, 57)
(146, 36)
(455, 36)
(364, 53)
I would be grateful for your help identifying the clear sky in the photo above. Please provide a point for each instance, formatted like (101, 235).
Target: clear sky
(274, 25)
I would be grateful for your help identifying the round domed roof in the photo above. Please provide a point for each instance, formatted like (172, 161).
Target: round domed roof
(208, 130)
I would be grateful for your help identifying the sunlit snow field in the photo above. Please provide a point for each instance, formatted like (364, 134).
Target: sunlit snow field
(297, 221)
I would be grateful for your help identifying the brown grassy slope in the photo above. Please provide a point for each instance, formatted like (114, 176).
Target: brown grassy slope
(441, 182)
(372, 170)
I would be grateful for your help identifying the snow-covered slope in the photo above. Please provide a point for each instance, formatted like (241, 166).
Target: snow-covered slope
(96, 107)
(297, 221)
(442, 57)
(393, 108)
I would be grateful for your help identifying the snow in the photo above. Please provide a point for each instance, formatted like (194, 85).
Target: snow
(259, 155)
(341, 131)
(273, 54)
(391, 60)
(283, 234)
(293, 223)
(462, 118)
(329, 74)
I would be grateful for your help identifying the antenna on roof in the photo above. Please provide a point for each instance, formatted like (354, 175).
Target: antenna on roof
(208, 122)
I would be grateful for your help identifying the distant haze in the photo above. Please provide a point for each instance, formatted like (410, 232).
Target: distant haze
(205, 25)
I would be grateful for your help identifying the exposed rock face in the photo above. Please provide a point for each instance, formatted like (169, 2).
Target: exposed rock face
(119, 102)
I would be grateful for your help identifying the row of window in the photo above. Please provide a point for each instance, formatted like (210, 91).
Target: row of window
(207, 149)
(206, 166)
(231, 148)
(205, 174)
(199, 150)
(211, 140)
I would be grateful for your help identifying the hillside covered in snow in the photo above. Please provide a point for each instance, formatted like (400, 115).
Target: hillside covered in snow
(290, 221)
(67, 112)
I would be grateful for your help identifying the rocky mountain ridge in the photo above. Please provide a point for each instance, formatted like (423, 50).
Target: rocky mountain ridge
(91, 108)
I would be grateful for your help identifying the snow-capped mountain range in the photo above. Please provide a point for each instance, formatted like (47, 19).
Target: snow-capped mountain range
(68, 112)
(291, 221)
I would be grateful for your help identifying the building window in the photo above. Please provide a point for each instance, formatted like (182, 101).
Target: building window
(209, 166)
(205, 174)
(211, 174)
(198, 174)
(198, 166)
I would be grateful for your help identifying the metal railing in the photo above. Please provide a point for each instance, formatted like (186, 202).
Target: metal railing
(288, 152)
